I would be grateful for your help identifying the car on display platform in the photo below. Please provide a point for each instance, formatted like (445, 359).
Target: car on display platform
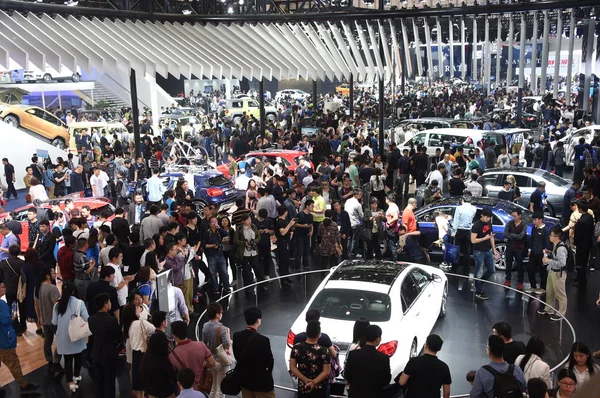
(501, 210)
(210, 187)
(44, 124)
(49, 75)
(572, 139)
(343, 89)
(529, 120)
(235, 108)
(404, 299)
(292, 93)
(290, 159)
(526, 179)
(110, 128)
(96, 205)
(176, 121)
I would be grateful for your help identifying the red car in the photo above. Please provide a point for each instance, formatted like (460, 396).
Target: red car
(291, 159)
(96, 205)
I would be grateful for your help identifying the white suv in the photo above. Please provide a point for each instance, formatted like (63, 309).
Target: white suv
(50, 75)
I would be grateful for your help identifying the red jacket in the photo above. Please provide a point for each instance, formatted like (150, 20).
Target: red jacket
(65, 263)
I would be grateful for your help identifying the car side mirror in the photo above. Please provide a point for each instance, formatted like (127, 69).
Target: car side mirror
(435, 278)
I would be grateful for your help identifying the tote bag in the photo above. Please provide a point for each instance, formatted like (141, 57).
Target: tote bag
(78, 328)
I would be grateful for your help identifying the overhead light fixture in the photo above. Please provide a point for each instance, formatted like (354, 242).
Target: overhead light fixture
(241, 2)
(186, 12)
(230, 10)
(71, 3)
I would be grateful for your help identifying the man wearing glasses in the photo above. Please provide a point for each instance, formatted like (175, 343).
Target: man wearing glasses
(556, 261)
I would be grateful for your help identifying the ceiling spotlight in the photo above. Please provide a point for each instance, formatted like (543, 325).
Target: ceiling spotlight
(71, 3)
(241, 2)
(186, 12)
(230, 10)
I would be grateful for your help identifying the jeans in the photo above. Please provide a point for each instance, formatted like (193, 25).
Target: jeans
(81, 285)
(516, 255)
(483, 259)
(217, 264)
(403, 181)
(559, 169)
(49, 332)
(535, 263)
(353, 245)
(392, 245)
(302, 251)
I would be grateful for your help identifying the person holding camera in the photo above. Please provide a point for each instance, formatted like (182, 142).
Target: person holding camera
(246, 240)
(213, 248)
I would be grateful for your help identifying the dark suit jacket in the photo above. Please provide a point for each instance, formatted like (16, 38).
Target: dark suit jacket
(368, 371)
(107, 337)
(77, 182)
(256, 363)
(45, 250)
(120, 227)
(131, 213)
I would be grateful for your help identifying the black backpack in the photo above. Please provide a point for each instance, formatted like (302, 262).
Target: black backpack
(506, 384)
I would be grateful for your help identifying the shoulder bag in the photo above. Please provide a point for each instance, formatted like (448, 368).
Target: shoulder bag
(206, 379)
(78, 328)
(225, 356)
(21, 284)
(231, 384)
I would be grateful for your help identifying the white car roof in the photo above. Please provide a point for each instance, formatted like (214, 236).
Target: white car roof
(352, 285)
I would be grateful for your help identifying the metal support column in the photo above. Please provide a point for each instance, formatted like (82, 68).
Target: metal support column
(463, 39)
(440, 48)
(315, 98)
(451, 45)
(534, 53)
(43, 100)
(474, 52)
(522, 36)
(381, 89)
(407, 65)
(498, 51)
(511, 38)
(545, 50)
(59, 101)
(135, 113)
(428, 49)
(417, 48)
(589, 60)
(351, 100)
(487, 59)
(261, 103)
(559, 33)
(570, 56)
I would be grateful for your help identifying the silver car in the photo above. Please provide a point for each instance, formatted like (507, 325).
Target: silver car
(527, 179)
(588, 132)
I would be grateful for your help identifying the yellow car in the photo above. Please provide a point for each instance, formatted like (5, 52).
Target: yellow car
(37, 120)
(235, 108)
(343, 89)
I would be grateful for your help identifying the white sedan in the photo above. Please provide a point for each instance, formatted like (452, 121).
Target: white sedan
(294, 94)
(404, 299)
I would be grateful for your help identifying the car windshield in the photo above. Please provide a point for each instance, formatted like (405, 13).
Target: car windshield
(108, 207)
(349, 305)
(218, 180)
(556, 180)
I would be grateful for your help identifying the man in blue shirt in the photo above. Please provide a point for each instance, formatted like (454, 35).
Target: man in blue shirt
(8, 240)
(185, 382)
(569, 196)
(461, 227)
(483, 386)
(155, 188)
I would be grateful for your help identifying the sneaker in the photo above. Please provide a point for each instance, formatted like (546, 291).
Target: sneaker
(520, 287)
(29, 387)
(530, 290)
(233, 283)
(445, 266)
(556, 317)
(507, 283)
(540, 291)
(481, 296)
(73, 387)
(544, 312)
(77, 379)
(592, 269)
(57, 368)
(596, 354)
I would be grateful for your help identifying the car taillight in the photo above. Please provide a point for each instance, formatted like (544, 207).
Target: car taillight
(388, 348)
(214, 192)
(290, 339)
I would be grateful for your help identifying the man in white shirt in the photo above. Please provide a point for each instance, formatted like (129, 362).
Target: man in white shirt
(438, 175)
(155, 188)
(97, 183)
(392, 213)
(355, 211)
(120, 282)
(474, 187)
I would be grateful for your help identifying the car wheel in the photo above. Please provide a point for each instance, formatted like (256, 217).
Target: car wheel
(236, 120)
(47, 78)
(75, 77)
(549, 210)
(500, 263)
(444, 301)
(200, 208)
(271, 117)
(59, 143)
(413, 349)
(12, 120)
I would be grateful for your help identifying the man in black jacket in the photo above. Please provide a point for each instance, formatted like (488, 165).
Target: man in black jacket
(583, 238)
(77, 184)
(368, 370)
(105, 351)
(45, 245)
(120, 226)
(10, 271)
(255, 359)
(342, 218)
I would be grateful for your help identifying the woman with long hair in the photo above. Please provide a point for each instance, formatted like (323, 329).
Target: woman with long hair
(160, 247)
(251, 195)
(581, 363)
(157, 374)
(136, 332)
(329, 240)
(65, 309)
(228, 249)
(37, 190)
(531, 362)
(32, 269)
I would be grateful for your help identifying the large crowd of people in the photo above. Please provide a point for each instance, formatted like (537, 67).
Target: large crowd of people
(346, 198)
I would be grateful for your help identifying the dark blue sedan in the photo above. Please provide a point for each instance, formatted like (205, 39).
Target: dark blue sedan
(501, 209)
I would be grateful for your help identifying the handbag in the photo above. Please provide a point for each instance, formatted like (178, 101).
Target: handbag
(225, 356)
(451, 253)
(21, 284)
(78, 328)
(206, 379)
(231, 383)
(144, 337)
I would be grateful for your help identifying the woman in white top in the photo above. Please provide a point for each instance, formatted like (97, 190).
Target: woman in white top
(581, 363)
(377, 186)
(37, 190)
(531, 363)
(136, 332)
